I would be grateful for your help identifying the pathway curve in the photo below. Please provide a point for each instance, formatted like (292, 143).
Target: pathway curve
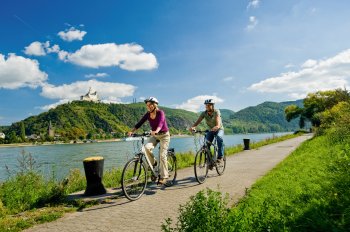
(149, 212)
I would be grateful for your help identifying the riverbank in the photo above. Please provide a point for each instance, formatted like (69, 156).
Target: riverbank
(74, 142)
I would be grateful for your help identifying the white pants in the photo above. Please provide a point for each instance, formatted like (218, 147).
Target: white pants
(164, 140)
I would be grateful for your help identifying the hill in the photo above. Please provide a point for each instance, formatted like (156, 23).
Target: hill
(265, 117)
(99, 120)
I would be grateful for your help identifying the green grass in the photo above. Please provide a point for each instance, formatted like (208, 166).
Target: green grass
(308, 191)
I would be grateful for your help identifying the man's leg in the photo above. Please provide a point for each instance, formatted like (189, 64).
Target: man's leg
(220, 140)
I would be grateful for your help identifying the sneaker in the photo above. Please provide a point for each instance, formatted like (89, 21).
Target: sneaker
(219, 160)
(162, 181)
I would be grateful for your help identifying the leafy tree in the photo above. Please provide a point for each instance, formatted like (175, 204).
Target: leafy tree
(315, 104)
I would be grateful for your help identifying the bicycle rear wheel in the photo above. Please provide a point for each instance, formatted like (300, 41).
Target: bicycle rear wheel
(201, 166)
(172, 170)
(220, 167)
(134, 179)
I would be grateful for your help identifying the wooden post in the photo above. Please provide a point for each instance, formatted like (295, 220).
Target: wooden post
(93, 167)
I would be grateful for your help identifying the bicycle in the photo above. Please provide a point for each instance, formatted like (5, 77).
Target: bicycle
(206, 160)
(135, 172)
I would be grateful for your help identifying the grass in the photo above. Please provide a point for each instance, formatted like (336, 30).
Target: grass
(308, 191)
(27, 198)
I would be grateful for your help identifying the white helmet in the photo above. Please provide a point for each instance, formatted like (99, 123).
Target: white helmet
(152, 99)
(209, 101)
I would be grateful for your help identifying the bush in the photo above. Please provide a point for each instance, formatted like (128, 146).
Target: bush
(206, 211)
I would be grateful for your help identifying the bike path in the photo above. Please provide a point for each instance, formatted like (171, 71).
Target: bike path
(159, 203)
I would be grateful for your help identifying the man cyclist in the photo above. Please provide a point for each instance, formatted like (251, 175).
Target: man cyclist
(213, 119)
(159, 133)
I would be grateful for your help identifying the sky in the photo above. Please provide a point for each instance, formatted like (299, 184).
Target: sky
(238, 52)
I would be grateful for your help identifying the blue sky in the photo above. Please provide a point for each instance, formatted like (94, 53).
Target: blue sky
(241, 52)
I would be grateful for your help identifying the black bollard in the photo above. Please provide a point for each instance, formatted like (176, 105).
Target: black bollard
(246, 144)
(93, 167)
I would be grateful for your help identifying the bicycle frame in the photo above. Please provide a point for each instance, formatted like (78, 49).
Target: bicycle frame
(207, 147)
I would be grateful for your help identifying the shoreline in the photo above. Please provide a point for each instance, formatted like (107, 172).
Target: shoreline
(72, 142)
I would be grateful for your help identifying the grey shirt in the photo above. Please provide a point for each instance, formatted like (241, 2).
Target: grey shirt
(211, 119)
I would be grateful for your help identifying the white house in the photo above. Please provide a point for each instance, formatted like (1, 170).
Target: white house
(2, 135)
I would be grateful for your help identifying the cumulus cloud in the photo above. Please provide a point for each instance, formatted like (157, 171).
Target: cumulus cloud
(107, 91)
(96, 75)
(194, 104)
(18, 71)
(127, 56)
(313, 76)
(253, 4)
(71, 34)
(252, 23)
(40, 49)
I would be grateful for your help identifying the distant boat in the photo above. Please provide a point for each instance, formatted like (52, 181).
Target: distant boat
(131, 138)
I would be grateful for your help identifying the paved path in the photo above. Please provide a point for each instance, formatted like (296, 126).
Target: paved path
(149, 212)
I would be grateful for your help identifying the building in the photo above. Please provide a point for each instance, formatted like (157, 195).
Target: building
(90, 96)
(50, 130)
(2, 135)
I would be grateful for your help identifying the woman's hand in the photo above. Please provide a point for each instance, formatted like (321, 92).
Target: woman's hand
(153, 133)
(130, 133)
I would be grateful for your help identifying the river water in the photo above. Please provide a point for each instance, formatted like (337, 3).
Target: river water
(56, 160)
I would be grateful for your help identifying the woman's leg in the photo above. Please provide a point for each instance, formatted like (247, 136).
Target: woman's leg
(164, 145)
(151, 143)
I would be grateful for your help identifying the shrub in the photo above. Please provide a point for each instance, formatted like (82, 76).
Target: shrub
(206, 211)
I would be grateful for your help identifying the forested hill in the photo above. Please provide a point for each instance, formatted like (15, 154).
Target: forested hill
(265, 117)
(95, 120)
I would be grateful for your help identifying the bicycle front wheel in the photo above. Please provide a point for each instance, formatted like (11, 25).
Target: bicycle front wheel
(220, 167)
(201, 166)
(172, 170)
(134, 179)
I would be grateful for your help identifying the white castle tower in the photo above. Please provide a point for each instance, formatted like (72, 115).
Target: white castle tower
(90, 96)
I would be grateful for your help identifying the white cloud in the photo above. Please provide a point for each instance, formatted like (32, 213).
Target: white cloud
(35, 49)
(40, 49)
(314, 76)
(71, 34)
(18, 71)
(252, 23)
(253, 4)
(127, 56)
(289, 65)
(194, 104)
(96, 75)
(107, 91)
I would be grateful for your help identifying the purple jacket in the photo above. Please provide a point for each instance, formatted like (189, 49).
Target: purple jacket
(159, 121)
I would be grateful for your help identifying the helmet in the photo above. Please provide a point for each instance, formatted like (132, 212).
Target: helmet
(151, 99)
(209, 101)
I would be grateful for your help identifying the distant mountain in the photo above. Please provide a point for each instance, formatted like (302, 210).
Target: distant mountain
(265, 117)
(81, 119)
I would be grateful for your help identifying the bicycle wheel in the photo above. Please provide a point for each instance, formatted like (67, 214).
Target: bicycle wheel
(201, 166)
(172, 170)
(220, 167)
(134, 179)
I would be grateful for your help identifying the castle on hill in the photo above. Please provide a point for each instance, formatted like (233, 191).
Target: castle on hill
(90, 96)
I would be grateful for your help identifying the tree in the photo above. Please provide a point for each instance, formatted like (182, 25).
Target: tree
(315, 104)
(23, 132)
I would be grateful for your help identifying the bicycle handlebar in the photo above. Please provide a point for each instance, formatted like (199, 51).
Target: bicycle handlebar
(144, 134)
(200, 131)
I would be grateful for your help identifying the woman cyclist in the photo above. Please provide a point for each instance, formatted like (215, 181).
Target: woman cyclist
(159, 132)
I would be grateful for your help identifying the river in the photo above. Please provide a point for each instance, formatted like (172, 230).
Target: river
(56, 160)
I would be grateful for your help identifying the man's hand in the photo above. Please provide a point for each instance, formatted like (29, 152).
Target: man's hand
(192, 129)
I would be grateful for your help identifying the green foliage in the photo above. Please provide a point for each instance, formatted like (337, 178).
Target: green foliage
(206, 211)
(315, 104)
